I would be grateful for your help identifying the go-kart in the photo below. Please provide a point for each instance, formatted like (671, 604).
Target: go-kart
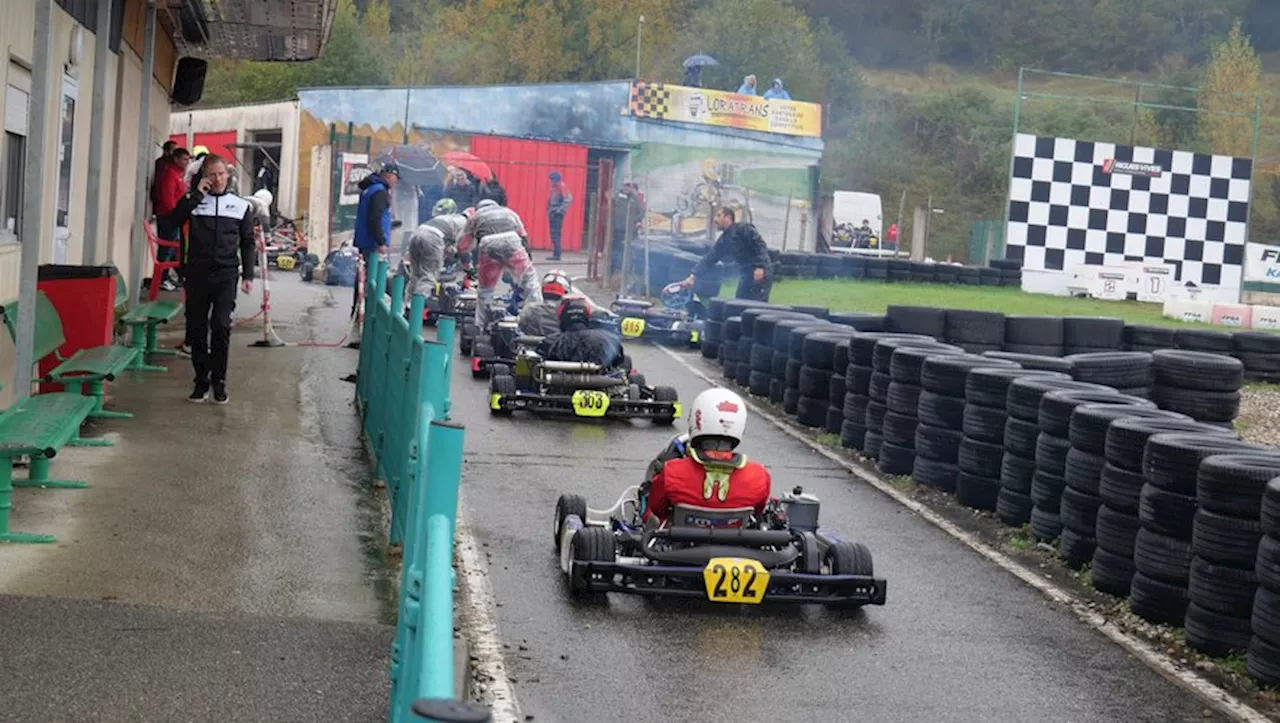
(452, 297)
(640, 319)
(720, 555)
(576, 389)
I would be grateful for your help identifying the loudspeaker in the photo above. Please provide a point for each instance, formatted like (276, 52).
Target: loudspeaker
(188, 81)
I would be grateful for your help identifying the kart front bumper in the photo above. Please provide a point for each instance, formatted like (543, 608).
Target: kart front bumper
(562, 405)
(686, 333)
(687, 582)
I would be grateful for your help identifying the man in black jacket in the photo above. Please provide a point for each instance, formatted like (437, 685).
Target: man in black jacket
(221, 241)
(740, 242)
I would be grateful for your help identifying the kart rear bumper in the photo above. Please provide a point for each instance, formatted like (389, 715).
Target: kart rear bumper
(562, 405)
(687, 582)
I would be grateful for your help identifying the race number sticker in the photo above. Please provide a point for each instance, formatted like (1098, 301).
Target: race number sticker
(632, 327)
(590, 403)
(735, 580)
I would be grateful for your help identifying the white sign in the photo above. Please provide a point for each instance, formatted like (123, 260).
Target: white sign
(16, 103)
(355, 167)
(1262, 263)
(1111, 284)
(1154, 282)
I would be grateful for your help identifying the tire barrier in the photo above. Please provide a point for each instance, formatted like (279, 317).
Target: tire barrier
(1263, 660)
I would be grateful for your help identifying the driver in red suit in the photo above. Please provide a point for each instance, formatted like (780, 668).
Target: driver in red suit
(712, 474)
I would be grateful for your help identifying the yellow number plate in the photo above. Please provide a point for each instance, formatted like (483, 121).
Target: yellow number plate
(735, 580)
(590, 403)
(632, 327)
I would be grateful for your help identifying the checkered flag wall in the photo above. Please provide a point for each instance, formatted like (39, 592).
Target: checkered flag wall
(650, 100)
(1102, 204)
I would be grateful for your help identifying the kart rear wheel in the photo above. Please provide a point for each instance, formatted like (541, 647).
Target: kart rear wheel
(666, 394)
(849, 558)
(565, 506)
(590, 544)
(502, 385)
(466, 336)
(500, 370)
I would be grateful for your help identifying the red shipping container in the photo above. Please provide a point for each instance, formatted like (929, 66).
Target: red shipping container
(522, 166)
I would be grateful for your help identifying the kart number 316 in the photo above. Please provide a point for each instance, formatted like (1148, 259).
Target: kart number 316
(590, 403)
(735, 580)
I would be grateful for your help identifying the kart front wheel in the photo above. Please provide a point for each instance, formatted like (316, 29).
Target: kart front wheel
(480, 350)
(590, 544)
(849, 558)
(565, 506)
(466, 337)
(501, 385)
(666, 394)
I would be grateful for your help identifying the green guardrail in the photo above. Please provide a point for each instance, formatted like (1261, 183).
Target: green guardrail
(402, 391)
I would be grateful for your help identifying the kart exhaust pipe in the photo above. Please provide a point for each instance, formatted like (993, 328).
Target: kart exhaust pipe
(571, 367)
(581, 381)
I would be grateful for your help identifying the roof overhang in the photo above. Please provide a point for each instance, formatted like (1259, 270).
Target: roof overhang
(283, 30)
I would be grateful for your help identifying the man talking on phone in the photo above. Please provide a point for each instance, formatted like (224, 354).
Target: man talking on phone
(220, 253)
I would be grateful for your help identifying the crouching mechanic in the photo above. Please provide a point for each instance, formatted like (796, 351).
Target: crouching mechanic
(577, 341)
(543, 318)
(711, 474)
(500, 239)
(429, 244)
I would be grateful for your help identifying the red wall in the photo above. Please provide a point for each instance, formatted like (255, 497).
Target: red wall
(522, 167)
(216, 142)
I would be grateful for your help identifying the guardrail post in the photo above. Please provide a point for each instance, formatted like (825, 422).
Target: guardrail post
(435, 387)
(445, 331)
(366, 332)
(378, 387)
(439, 509)
(398, 424)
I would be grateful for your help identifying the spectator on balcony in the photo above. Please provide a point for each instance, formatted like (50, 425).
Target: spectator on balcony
(776, 91)
(748, 86)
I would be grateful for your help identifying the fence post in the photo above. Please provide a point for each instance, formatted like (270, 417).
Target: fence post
(439, 510)
(445, 331)
(366, 332)
(404, 650)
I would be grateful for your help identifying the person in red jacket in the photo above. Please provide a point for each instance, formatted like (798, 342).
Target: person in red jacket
(169, 187)
(711, 474)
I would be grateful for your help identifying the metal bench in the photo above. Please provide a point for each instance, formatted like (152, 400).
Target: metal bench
(144, 323)
(37, 427)
(89, 369)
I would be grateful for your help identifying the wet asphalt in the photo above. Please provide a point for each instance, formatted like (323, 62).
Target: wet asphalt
(959, 640)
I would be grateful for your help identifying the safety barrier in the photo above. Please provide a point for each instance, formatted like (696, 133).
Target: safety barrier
(402, 390)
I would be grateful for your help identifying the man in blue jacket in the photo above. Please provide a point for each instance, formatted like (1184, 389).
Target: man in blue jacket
(373, 219)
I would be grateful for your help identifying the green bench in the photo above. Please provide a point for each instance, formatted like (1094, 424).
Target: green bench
(37, 427)
(144, 324)
(89, 369)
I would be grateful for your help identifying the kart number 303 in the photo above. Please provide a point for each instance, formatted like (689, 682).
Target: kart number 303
(590, 403)
(632, 327)
(735, 580)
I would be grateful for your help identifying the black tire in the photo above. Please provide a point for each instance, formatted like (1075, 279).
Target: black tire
(1075, 549)
(1263, 661)
(1268, 563)
(666, 394)
(730, 370)
(875, 416)
(1118, 369)
(1016, 473)
(938, 444)
(1216, 634)
(895, 460)
(1203, 406)
(882, 355)
(923, 320)
(835, 420)
(879, 388)
(1084, 471)
(1047, 358)
(981, 459)
(1155, 337)
(862, 347)
(858, 320)
(1051, 454)
(1172, 461)
(1045, 525)
(591, 544)
(777, 390)
(1100, 332)
(1266, 614)
(500, 370)
(792, 376)
(1090, 422)
(1033, 331)
(906, 361)
(984, 424)
(1111, 573)
(1020, 438)
(1056, 407)
(855, 407)
(1256, 342)
(840, 361)
(567, 505)
(1161, 557)
(989, 386)
(1046, 492)
(974, 327)
(1120, 489)
(1234, 484)
(504, 385)
(1013, 508)
(795, 340)
(1116, 531)
(1210, 340)
(758, 384)
(899, 429)
(1127, 438)
(872, 443)
(1221, 588)
(1157, 601)
(947, 375)
(836, 390)
(814, 383)
(1271, 508)
(939, 475)
(1256, 364)
(939, 410)
(857, 379)
(977, 492)
(1224, 540)
(852, 434)
(1025, 394)
(849, 558)
(1198, 370)
(762, 358)
(1167, 513)
(903, 399)
(820, 349)
(482, 349)
(1079, 512)
(811, 412)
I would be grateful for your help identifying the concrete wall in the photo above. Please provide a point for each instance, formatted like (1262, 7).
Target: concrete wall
(244, 119)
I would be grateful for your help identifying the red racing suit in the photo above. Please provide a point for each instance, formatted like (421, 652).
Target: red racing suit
(693, 480)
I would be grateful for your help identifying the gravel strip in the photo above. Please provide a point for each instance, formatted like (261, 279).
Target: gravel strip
(1259, 419)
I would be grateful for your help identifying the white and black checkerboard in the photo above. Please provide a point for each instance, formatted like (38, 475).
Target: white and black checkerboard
(1065, 209)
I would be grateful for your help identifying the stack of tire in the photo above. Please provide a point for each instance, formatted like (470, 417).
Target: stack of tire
(784, 374)
(729, 344)
(919, 320)
(1035, 361)
(901, 418)
(1120, 489)
(1088, 334)
(1202, 385)
(762, 348)
(712, 330)
(1224, 548)
(857, 431)
(1141, 337)
(897, 428)
(1129, 372)
(791, 394)
(748, 361)
(986, 394)
(1167, 513)
(975, 331)
(1083, 521)
(1077, 510)
(818, 354)
(1038, 335)
(1263, 660)
(939, 436)
(1210, 341)
(859, 320)
(1259, 351)
(839, 387)
(1021, 435)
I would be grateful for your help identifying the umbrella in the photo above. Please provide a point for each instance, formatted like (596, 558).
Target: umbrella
(699, 61)
(468, 163)
(418, 167)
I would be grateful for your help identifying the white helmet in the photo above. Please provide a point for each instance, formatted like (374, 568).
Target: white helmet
(718, 412)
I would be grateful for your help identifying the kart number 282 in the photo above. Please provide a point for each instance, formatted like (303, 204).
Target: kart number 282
(735, 580)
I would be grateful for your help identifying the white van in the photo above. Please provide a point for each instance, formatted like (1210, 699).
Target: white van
(852, 208)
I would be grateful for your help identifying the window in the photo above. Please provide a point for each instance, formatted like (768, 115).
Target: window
(66, 149)
(85, 12)
(13, 157)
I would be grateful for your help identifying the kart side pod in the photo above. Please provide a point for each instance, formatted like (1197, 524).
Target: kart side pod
(802, 510)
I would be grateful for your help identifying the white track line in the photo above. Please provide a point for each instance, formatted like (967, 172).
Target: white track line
(481, 627)
(1213, 695)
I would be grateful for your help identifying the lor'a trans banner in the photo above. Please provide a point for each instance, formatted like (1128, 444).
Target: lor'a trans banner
(682, 104)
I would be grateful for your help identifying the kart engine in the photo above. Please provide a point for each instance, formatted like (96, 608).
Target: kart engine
(802, 510)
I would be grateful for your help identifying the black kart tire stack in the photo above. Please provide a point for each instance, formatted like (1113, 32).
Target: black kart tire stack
(839, 387)
(782, 354)
(1140, 337)
(762, 350)
(1088, 334)
(795, 362)
(1259, 351)
(818, 354)
(865, 348)
(986, 394)
(729, 344)
(896, 455)
(1210, 341)
(975, 331)
(859, 320)
(1034, 335)
(712, 330)
(747, 344)
(1129, 372)
(1021, 433)
(903, 400)
(1263, 660)
(1224, 545)
(1035, 361)
(1120, 489)
(940, 435)
(857, 399)
(1167, 513)
(919, 320)
(1202, 385)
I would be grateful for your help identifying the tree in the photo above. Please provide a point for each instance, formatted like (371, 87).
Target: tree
(1228, 95)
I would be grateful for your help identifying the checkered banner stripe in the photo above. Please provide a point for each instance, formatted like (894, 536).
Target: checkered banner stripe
(650, 100)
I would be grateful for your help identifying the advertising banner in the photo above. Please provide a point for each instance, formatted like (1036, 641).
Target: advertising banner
(355, 166)
(1262, 263)
(682, 104)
